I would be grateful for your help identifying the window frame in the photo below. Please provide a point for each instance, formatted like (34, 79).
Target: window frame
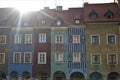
(4, 39)
(77, 60)
(100, 59)
(58, 41)
(108, 62)
(30, 53)
(41, 35)
(92, 43)
(76, 40)
(15, 39)
(45, 57)
(60, 55)
(19, 57)
(108, 41)
(30, 35)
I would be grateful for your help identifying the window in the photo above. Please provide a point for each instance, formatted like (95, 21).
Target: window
(2, 58)
(59, 22)
(111, 39)
(76, 38)
(17, 57)
(42, 37)
(95, 39)
(18, 39)
(93, 14)
(42, 58)
(28, 57)
(112, 58)
(59, 38)
(109, 14)
(58, 57)
(76, 57)
(77, 21)
(43, 21)
(96, 59)
(28, 38)
(2, 39)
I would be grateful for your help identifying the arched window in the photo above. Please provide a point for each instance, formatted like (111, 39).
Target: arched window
(93, 15)
(109, 14)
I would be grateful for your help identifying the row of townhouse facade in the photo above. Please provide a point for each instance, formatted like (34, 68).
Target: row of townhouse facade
(77, 44)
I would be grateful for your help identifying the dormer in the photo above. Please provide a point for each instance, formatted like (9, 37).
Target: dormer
(109, 14)
(93, 14)
(58, 21)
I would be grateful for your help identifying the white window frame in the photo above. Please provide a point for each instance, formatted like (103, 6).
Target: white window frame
(14, 57)
(78, 59)
(3, 59)
(59, 39)
(92, 58)
(76, 40)
(30, 61)
(108, 58)
(107, 38)
(27, 39)
(98, 37)
(20, 39)
(45, 55)
(40, 37)
(4, 39)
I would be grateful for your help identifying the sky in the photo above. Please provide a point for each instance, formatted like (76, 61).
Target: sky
(40, 4)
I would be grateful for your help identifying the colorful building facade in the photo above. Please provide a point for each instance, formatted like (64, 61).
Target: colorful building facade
(102, 41)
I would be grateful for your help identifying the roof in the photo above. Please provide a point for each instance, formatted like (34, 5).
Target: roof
(101, 9)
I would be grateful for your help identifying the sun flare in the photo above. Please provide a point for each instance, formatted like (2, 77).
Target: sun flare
(23, 6)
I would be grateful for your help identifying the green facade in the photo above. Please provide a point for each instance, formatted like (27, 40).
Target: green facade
(59, 67)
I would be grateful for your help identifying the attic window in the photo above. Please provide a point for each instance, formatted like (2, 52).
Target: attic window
(109, 14)
(59, 21)
(93, 15)
(43, 21)
(77, 21)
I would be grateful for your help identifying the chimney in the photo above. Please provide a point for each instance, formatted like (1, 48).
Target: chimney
(59, 8)
(46, 8)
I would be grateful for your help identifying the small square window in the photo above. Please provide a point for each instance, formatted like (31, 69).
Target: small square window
(111, 39)
(2, 39)
(76, 57)
(96, 59)
(112, 58)
(95, 39)
(77, 21)
(76, 38)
